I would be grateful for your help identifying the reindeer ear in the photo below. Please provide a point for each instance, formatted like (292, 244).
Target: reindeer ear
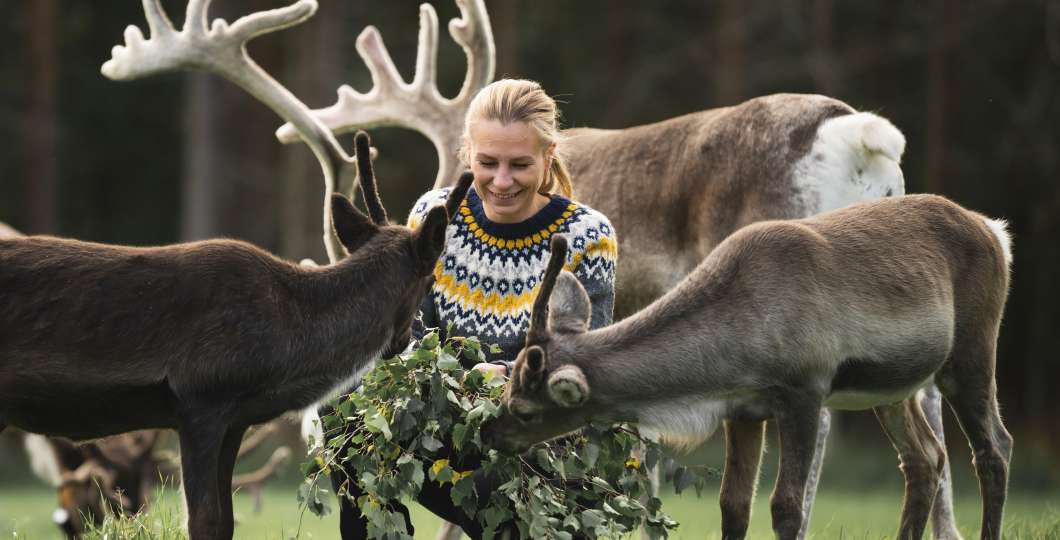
(353, 228)
(569, 309)
(535, 360)
(567, 386)
(452, 203)
(530, 368)
(429, 238)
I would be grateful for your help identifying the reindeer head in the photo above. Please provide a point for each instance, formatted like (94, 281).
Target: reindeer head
(548, 394)
(422, 245)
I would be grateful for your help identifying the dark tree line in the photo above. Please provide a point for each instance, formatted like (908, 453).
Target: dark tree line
(975, 86)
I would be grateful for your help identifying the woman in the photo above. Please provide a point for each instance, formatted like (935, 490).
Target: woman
(497, 245)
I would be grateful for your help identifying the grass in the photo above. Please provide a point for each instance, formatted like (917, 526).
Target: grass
(868, 515)
(859, 499)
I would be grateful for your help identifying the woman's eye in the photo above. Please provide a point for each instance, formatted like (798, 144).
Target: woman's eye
(520, 166)
(487, 163)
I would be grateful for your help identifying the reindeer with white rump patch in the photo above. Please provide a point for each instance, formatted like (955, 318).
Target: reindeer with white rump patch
(853, 309)
(673, 189)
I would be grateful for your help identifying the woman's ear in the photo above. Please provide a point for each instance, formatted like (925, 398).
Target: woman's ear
(352, 227)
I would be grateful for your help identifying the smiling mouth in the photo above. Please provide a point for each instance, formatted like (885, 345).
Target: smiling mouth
(505, 196)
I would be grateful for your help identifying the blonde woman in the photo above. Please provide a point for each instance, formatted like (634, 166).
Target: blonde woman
(497, 245)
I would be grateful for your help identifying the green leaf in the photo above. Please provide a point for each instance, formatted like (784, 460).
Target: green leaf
(430, 443)
(460, 435)
(590, 454)
(592, 518)
(448, 362)
(429, 341)
(377, 423)
(462, 489)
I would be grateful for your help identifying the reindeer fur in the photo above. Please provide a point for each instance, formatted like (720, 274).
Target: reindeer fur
(206, 338)
(856, 308)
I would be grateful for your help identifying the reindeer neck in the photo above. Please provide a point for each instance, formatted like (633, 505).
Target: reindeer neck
(348, 311)
(674, 349)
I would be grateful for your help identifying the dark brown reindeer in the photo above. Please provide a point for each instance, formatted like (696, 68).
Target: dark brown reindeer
(856, 308)
(206, 338)
(117, 474)
(673, 189)
(192, 336)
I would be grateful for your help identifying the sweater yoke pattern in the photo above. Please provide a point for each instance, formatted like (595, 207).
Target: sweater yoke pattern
(486, 280)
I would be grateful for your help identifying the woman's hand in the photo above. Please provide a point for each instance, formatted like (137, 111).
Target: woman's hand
(496, 369)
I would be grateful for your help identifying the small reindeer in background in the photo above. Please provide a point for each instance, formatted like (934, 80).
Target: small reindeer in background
(854, 309)
(117, 474)
(673, 189)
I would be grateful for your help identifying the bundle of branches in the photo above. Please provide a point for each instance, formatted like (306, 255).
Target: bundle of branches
(416, 419)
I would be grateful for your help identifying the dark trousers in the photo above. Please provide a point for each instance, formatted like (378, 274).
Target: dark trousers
(354, 526)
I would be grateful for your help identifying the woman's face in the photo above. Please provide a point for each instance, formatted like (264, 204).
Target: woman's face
(509, 163)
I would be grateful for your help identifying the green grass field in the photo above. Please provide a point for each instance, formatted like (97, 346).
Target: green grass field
(859, 499)
(25, 513)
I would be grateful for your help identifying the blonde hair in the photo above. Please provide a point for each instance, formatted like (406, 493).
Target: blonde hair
(519, 100)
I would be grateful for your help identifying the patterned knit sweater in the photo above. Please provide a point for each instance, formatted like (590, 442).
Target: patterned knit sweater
(487, 278)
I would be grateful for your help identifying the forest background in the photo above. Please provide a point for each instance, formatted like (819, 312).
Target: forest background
(974, 85)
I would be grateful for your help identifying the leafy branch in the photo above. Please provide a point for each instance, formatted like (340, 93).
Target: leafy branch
(416, 418)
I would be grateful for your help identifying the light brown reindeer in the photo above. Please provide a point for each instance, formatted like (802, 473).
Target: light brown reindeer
(673, 189)
(856, 308)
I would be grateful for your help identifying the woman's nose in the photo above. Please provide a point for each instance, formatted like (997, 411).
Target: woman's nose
(503, 178)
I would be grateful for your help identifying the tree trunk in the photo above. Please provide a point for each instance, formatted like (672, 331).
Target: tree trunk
(319, 54)
(504, 16)
(730, 80)
(939, 98)
(200, 186)
(41, 125)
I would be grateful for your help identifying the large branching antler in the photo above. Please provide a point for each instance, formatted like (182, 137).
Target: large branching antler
(417, 105)
(220, 48)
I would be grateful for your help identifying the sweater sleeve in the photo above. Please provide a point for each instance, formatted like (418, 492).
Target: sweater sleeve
(594, 261)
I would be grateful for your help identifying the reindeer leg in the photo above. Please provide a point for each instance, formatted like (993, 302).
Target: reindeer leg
(797, 421)
(743, 456)
(943, 522)
(921, 458)
(975, 404)
(823, 428)
(229, 454)
(200, 454)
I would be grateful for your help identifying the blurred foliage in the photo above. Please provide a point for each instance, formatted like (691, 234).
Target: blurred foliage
(974, 85)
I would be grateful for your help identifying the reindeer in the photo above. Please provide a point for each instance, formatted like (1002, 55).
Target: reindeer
(119, 472)
(854, 309)
(115, 474)
(209, 337)
(709, 173)
(206, 338)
